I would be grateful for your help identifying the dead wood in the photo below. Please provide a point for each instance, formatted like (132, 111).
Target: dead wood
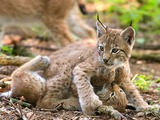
(149, 55)
(13, 60)
(147, 47)
(6, 79)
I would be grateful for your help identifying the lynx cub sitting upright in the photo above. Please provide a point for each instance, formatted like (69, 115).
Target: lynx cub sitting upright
(81, 67)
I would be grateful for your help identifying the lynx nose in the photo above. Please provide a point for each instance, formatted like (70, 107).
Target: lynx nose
(105, 61)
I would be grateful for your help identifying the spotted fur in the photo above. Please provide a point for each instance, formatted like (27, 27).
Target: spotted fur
(81, 67)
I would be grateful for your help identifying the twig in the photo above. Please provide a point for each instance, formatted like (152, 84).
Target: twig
(19, 110)
(22, 103)
(128, 117)
(59, 106)
(6, 79)
(32, 114)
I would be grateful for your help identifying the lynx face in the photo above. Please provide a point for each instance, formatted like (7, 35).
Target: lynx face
(114, 96)
(114, 46)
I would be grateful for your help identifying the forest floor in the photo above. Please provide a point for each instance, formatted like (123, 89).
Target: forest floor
(9, 111)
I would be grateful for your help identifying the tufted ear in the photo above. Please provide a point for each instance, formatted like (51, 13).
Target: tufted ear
(101, 28)
(128, 35)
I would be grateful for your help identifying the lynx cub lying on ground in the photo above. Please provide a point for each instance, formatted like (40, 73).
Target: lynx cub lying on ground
(53, 14)
(81, 67)
(113, 95)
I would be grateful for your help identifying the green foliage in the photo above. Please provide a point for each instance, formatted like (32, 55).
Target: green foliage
(145, 14)
(142, 81)
(158, 88)
(6, 50)
(140, 40)
(157, 81)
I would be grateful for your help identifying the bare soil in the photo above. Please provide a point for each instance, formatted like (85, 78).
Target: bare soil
(9, 111)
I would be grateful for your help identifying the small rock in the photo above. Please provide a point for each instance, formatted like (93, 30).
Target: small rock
(30, 114)
(140, 114)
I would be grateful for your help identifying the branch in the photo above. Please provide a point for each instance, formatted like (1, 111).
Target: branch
(13, 60)
(146, 55)
(147, 47)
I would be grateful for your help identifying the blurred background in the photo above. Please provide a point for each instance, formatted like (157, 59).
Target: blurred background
(144, 14)
(145, 61)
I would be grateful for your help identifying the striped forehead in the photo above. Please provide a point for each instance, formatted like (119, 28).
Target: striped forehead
(111, 37)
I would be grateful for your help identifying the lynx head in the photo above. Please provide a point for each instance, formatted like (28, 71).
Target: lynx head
(113, 95)
(114, 45)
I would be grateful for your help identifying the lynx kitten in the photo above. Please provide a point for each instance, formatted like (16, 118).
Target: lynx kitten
(81, 67)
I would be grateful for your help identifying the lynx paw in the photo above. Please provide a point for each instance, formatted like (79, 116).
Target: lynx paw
(90, 106)
(109, 110)
(148, 107)
(154, 110)
(143, 108)
(41, 62)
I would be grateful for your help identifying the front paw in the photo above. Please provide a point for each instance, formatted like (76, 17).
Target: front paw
(90, 105)
(143, 108)
(109, 110)
(154, 110)
(148, 108)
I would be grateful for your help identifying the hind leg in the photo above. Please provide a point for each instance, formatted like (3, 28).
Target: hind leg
(38, 63)
(58, 91)
(59, 31)
(71, 103)
(78, 26)
(27, 82)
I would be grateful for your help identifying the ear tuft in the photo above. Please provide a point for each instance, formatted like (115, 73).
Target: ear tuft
(130, 23)
(128, 35)
(101, 28)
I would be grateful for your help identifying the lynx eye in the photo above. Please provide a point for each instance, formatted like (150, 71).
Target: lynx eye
(115, 50)
(120, 90)
(101, 48)
(112, 94)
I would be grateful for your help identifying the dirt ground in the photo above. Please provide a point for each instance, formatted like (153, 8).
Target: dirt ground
(9, 111)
